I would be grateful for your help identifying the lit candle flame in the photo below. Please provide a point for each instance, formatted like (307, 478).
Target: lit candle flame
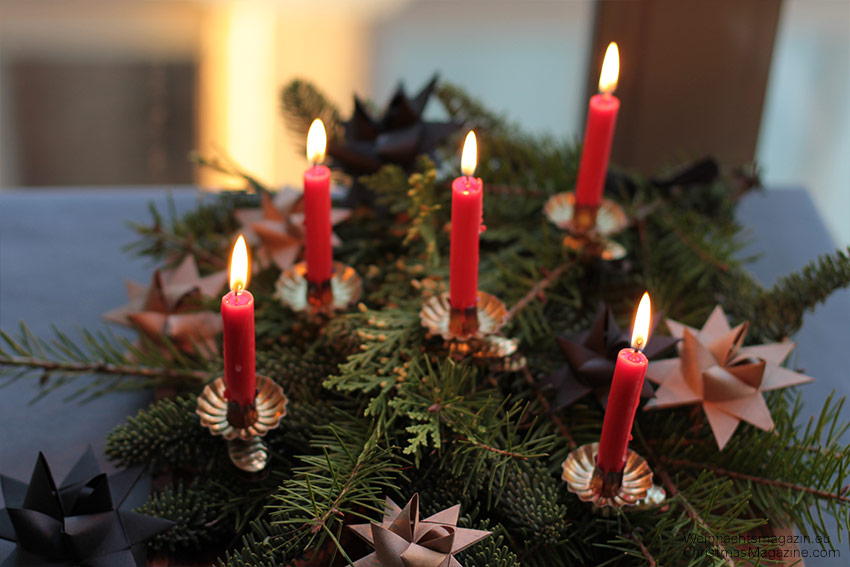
(317, 140)
(610, 69)
(469, 157)
(640, 330)
(239, 265)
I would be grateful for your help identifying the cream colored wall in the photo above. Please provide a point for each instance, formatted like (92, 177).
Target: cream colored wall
(249, 51)
(246, 50)
(804, 139)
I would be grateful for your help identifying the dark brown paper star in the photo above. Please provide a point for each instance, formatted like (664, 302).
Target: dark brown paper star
(397, 136)
(403, 540)
(591, 356)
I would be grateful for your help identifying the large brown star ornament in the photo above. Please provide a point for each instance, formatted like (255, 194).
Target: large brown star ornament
(276, 229)
(170, 306)
(403, 540)
(727, 379)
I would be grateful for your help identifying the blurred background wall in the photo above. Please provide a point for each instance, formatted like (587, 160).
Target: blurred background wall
(114, 92)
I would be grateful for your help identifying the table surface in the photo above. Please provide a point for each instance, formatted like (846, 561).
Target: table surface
(62, 264)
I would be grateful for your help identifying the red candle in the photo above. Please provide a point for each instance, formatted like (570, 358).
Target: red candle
(467, 195)
(237, 313)
(599, 133)
(623, 400)
(317, 208)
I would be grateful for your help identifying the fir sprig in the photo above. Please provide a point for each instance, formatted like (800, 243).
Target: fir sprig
(347, 477)
(115, 362)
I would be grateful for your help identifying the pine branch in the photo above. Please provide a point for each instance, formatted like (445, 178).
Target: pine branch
(531, 505)
(778, 312)
(650, 560)
(840, 497)
(222, 163)
(673, 491)
(347, 477)
(201, 233)
(562, 429)
(113, 359)
(167, 435)
(197, 524)
(48, 366)
(536, 291)
(302, 103)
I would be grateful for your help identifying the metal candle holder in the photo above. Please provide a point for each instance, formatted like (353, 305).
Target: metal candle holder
(243, 426)
(588, 227)
(631, 487)
(341, 291)
(486, 317)
(472, 331)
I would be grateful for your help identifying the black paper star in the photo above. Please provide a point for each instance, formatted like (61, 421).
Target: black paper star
(591, 356)
(397, 137)
(77, 522)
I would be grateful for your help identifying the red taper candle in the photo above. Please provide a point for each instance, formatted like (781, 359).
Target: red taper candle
(624, 397)
(599, 133)
(237, 313)
(467, 198)
(317, 208)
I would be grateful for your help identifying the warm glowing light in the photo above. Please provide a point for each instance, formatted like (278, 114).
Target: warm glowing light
(610, 69)
(640, 330)
(469, 157)
(317, 140)
(239, 265)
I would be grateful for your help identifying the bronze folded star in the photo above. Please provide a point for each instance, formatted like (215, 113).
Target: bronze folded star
(172, 305)
(403, 540)
(276, 229)
(727, 379)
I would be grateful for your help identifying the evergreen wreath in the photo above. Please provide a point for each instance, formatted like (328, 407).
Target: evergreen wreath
(379, 410)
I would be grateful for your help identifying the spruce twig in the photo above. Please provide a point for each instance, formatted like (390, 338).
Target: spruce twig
(105, 368)
(547, 408)
(537, 289)
(650, 561)
(824, 494)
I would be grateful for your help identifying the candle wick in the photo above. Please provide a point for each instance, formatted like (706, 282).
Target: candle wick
(466, 178)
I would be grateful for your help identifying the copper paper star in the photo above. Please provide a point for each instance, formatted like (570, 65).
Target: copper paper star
(403, 540)
(714, 370)
(591, 356)
(169, 306)
(276, 229)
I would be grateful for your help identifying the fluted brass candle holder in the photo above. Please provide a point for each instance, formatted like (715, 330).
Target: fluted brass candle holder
(338, 293)
(485, 318)
(631, 487)
(472, 331)
(496, 352)
(243, 427)
(589, 228)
